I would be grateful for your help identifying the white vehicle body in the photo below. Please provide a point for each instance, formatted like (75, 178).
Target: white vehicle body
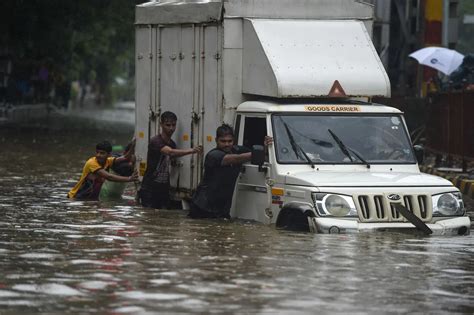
(255, 64)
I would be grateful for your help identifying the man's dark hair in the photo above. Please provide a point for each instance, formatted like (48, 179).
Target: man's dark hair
(104, 146)
(170, 116)
(224, 130)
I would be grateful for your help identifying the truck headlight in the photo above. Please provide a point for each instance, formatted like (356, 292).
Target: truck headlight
(334, 205)
(448, 204)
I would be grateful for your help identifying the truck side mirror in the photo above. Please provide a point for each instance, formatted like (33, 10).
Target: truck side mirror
(258, 155)
(419, 153)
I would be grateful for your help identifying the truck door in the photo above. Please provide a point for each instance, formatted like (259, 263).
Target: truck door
(251, 195)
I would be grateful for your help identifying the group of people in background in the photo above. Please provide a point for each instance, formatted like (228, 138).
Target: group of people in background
(212, 198)
(33, 82)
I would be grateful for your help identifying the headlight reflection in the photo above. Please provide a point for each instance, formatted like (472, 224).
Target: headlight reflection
(334, 205)
(448, 204)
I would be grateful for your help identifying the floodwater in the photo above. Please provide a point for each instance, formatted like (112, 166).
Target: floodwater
(59, 256)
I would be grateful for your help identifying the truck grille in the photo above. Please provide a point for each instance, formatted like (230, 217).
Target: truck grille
(378, 208)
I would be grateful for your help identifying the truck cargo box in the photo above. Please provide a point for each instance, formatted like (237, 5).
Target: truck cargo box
(201, 59)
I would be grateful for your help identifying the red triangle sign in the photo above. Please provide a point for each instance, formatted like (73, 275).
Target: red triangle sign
(337, 90)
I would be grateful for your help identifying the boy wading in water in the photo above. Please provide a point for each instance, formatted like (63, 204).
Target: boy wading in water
(155, 189)
(96, 171)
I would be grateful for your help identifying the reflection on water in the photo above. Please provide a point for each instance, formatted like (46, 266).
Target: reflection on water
(58, 255)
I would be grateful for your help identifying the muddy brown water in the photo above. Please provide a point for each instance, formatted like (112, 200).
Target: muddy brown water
(59, 256)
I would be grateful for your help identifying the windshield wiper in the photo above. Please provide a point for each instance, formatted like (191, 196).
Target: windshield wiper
(295, 145)
(321, 143)
(346, 149)
(341, 145)
(360, 157)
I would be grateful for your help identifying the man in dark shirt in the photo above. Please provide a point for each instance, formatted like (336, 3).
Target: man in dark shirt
(213, 197)
(155, 186)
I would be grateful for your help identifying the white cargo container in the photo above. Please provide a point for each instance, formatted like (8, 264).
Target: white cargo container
(302, 71)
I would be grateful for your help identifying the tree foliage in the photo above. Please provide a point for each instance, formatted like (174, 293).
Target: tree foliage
(75, 37)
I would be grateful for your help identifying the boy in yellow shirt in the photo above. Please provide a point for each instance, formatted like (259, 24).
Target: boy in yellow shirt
(96, 171)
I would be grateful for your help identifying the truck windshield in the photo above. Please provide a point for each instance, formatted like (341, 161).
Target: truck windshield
(310, 139)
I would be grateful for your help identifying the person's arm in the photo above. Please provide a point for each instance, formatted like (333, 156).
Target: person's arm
(116, 178)
(244, 157)
(267, 141)
(128, 155)
(130, 150)
(236, 158)
(180, 152)
(123, 158)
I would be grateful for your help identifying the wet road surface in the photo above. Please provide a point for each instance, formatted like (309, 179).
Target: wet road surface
(60, 256)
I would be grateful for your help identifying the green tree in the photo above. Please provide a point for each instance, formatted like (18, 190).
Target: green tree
(74, 37)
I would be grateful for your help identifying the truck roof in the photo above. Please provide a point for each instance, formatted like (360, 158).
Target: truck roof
(204, 11)
(316, 107)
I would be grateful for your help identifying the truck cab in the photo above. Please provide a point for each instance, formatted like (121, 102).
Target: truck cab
(339, 167)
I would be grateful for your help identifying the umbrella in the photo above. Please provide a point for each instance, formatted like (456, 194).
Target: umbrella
(442, 59)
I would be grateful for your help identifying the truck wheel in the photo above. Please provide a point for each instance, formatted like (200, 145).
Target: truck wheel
(294, 219)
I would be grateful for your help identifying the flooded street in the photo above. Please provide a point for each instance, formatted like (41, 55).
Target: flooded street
(60, 256)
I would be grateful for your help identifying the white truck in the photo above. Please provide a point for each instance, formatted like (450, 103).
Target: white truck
(303, 72)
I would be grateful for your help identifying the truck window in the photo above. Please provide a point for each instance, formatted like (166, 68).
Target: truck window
(255, 130)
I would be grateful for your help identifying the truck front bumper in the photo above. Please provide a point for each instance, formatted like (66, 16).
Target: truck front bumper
(454, 226)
